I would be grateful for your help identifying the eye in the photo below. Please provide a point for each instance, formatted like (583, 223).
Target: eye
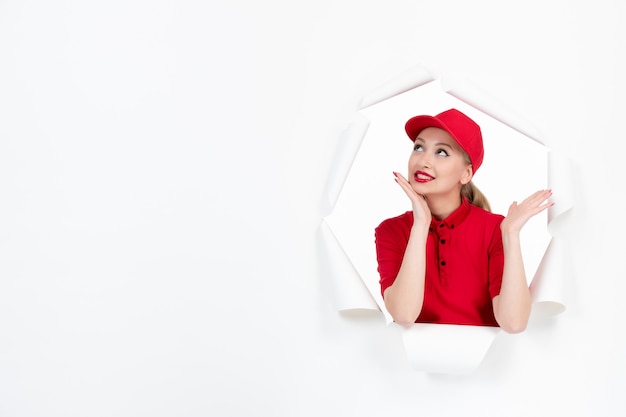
(442, 152)
(417, 147)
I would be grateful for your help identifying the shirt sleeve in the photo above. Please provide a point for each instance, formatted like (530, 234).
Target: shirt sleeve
(391, 241)
(496, 260)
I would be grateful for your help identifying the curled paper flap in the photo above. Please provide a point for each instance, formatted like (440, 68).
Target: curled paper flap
(547, 288)
(347, 149)
(347, 290)
(478, 99)
(560, 172)
(447, 348)
(408, 80)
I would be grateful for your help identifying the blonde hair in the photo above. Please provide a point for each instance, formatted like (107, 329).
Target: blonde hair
(471, 192)
(475, 196)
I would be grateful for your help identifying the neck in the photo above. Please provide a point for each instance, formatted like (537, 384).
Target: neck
(441, 207)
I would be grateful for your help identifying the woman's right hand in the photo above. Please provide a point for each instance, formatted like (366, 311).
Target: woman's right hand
(421, 212)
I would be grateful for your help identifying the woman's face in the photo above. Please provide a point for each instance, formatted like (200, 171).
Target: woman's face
(437, 165)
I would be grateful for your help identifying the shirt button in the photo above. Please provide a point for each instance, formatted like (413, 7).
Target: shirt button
(443, 241)
(441, 225)
(451, 226)
(443, 263)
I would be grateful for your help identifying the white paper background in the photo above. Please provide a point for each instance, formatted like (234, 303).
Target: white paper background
(161, 167)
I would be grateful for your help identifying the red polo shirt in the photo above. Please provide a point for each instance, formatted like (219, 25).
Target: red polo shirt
(464, 264)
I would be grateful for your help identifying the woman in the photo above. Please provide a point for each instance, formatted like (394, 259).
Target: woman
(450, 260)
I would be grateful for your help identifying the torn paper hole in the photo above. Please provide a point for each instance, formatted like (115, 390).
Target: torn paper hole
(362, 193)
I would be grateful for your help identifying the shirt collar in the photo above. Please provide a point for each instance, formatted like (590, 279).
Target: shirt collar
(455, 218)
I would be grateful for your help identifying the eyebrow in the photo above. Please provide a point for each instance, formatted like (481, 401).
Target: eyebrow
(436, 144)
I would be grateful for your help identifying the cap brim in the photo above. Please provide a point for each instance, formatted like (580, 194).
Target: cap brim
(418, 123)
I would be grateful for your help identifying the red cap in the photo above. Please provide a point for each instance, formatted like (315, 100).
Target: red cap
(463, 129)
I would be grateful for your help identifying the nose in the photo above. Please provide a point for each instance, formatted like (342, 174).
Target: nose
(424, 160)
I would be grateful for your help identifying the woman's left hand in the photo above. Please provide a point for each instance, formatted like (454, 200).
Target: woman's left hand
(519, 214)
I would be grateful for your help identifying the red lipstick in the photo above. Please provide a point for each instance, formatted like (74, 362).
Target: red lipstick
(421, 176)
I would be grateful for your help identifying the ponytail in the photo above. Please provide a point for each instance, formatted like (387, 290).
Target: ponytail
(475, 196)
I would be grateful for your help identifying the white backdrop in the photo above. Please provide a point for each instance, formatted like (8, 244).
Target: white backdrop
(161, 170)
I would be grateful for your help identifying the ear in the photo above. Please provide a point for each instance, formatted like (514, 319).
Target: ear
(468, 174)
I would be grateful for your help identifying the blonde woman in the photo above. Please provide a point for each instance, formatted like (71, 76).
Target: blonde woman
(449, 259)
